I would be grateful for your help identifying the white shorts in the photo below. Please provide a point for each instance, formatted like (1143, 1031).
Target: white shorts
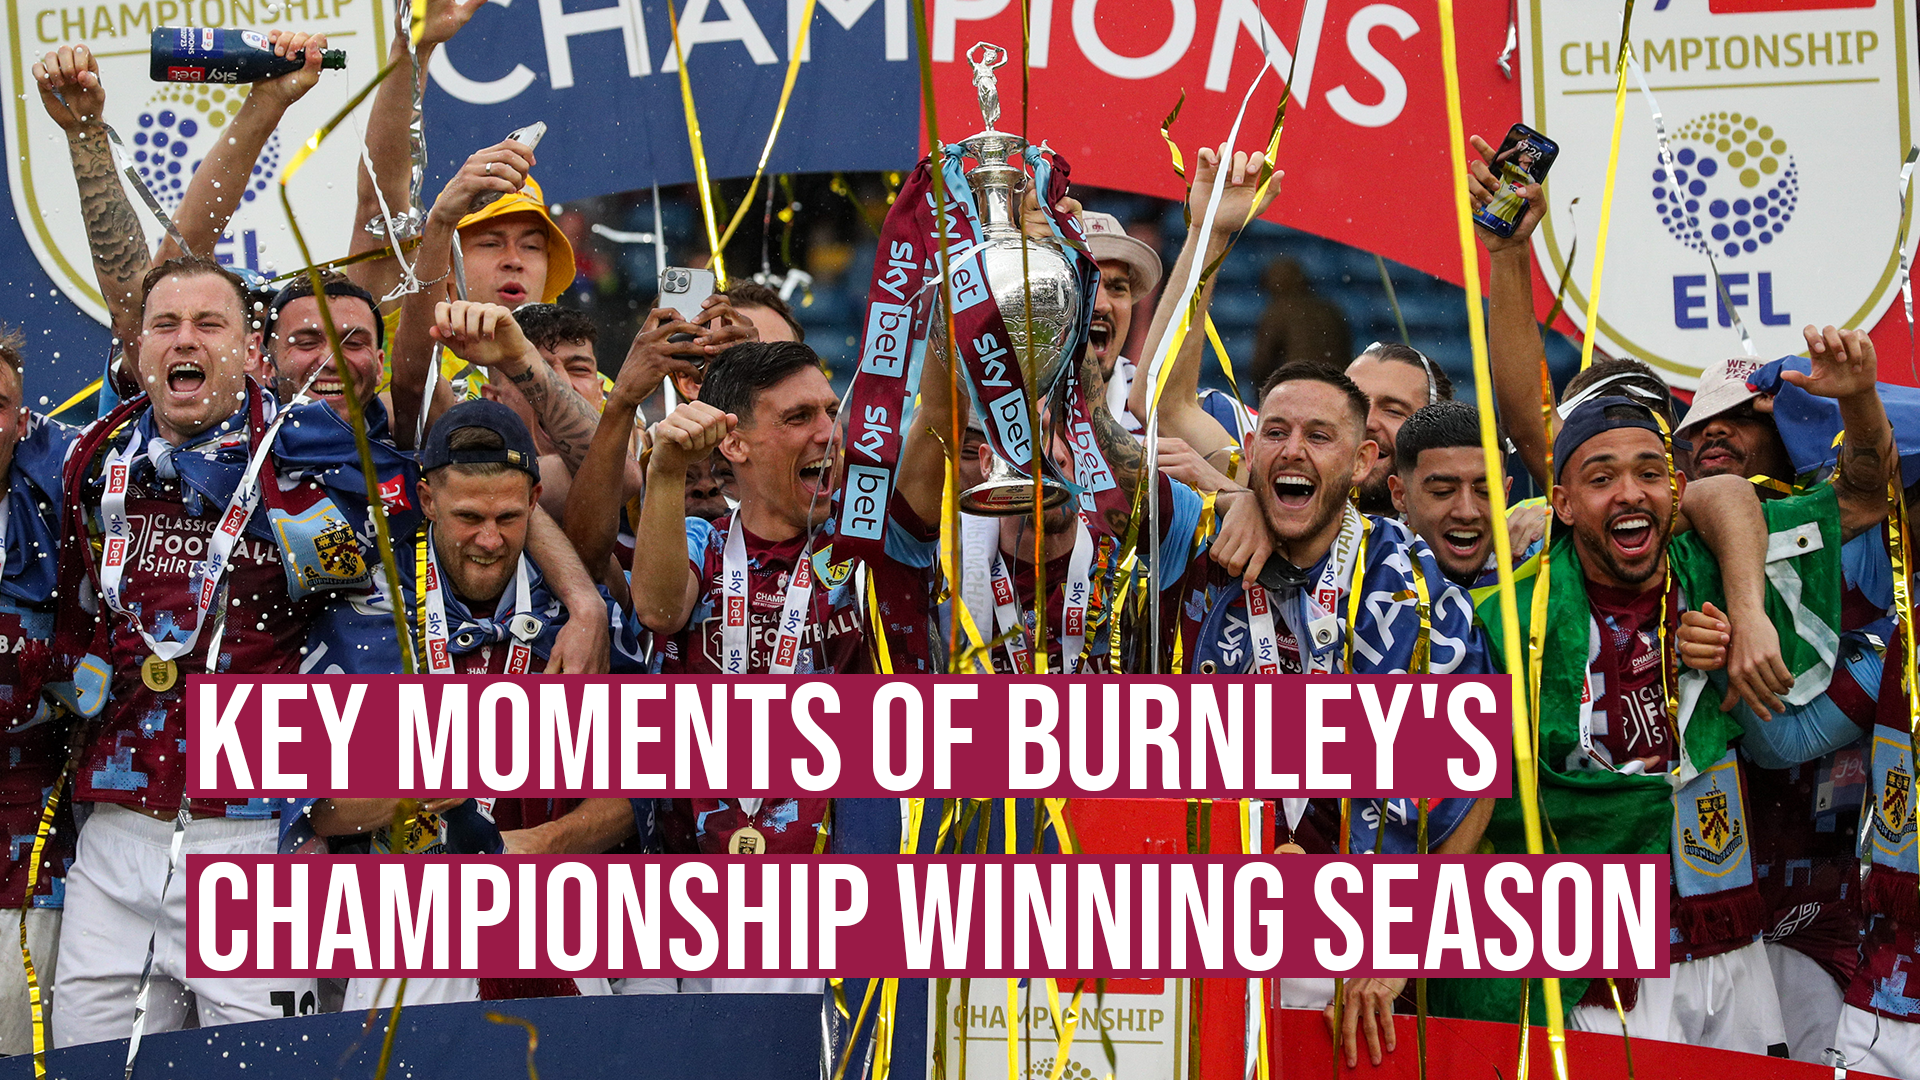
(1872, 1043)
(1810, 1002)
(16, 1013)
(114, 906)
(1727, 1002)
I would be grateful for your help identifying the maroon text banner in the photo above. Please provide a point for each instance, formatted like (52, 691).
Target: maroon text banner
(852, 736)
(918, 916)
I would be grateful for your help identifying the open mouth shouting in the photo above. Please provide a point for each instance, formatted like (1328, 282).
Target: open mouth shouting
(185, 377)
(1294, 492)
(1100, 335)
(1463, 543)
(816, 478)
(1632, 534)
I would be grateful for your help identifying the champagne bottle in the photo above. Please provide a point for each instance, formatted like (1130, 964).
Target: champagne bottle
(203, 55)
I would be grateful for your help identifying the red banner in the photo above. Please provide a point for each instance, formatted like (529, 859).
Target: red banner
(1365, 150)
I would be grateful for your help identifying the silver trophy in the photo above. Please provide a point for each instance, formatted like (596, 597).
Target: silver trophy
(1034, 287)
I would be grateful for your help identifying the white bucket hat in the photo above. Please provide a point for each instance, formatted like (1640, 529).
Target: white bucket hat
(1108, 239)
(1723, 388)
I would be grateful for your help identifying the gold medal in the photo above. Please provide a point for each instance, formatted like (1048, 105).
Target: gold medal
(158, 674)
(1290, 848)
(747, 840)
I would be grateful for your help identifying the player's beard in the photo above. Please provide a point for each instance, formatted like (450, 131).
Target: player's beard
(1375, 497)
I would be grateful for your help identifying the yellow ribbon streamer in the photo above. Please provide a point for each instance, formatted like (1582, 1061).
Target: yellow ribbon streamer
(36, 1003)
(698, 148)
(799, 47)
(356, 416)
(92, 388)
(1620, 61)
(1523, 763)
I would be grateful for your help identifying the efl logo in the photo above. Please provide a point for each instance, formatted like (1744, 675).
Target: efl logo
(1771, 108)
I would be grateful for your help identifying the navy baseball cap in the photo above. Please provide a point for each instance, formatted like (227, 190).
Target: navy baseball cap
(516, 450)
(1598, 416)
(301, 287)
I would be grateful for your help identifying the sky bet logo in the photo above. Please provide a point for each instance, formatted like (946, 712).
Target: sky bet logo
(1731, 192)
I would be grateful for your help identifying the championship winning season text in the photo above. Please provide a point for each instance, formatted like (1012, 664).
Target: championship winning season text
(902, 915)
(851, 736)
(922, 916)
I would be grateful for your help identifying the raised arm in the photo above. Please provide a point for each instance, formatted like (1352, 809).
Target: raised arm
(923, 451)
(664, 588)
(500, 168)
(582, 646)
(1514, 347)
(218, 183)
(388, 144)
(1844, 368)
(1180, 413)
(602, 483)
(70, 89)
(1725, 511)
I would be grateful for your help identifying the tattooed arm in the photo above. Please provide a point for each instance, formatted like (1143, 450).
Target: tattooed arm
(486, 335)
(1844, 367)
(1125, 455)
(69, 82)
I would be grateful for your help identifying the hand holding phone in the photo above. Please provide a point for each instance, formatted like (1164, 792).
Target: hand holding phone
(1523, 159)
(685, 290)
(528, 137)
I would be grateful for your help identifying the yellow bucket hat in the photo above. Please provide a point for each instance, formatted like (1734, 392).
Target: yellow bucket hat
(560, 267)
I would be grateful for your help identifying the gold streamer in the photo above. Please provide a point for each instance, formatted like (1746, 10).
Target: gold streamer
(533, 1037)
(1592, 330)
(1524, 757)
(698, 148)
(91, 389)
(36, 1003)
(356, 416)
(799, 46)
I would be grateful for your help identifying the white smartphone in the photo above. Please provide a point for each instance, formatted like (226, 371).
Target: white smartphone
(530, 135)
(684, 289)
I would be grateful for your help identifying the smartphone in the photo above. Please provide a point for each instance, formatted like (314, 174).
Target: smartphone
(529, 137)
(684, 289)
(1524, 157)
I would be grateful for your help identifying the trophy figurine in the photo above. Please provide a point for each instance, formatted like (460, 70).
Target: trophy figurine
(1034, 287)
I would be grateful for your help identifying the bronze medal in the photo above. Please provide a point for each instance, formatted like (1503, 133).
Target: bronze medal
(158, 674)
(747, 840)
(1290, 848)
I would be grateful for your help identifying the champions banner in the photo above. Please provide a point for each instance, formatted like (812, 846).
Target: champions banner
(1366, 152)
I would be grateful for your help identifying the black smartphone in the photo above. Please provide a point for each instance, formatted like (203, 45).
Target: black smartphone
(1524, 157)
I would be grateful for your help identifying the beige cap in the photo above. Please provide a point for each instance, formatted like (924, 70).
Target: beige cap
(1107, 239)
(1723, 388)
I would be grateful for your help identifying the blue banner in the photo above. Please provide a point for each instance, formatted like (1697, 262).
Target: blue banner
(603, 77)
